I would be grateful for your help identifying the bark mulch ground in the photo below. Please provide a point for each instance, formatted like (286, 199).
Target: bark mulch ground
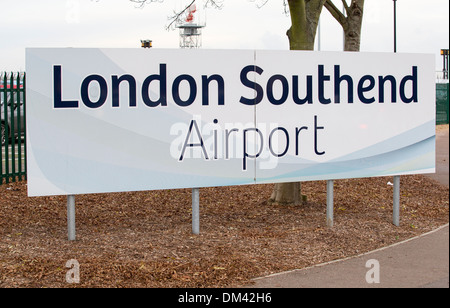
(144, 239)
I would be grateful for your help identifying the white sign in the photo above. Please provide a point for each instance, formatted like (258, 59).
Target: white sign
(111, 120)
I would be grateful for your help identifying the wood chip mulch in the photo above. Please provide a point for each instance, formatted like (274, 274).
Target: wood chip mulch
(144, 239)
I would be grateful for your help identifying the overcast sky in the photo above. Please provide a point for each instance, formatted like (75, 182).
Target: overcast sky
(422, 26)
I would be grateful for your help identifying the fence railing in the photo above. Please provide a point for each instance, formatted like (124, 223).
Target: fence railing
(12, 127)
(442, 103)
(440, 77)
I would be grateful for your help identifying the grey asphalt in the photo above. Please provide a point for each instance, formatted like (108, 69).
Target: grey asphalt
(420, 262)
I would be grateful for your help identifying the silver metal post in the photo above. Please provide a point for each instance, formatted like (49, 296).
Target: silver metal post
(330, 205)
(71, 217)
(396, 214)
(319, 39)
(395, 25)
(196, 211)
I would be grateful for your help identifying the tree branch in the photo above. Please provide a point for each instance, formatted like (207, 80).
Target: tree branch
(347, 9)
(176, 17)
(335, 12)
(217, 4)
(262, 3)
(141, 3)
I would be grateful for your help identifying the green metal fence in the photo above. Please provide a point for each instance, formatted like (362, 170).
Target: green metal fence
(442, 106)
(12, 121)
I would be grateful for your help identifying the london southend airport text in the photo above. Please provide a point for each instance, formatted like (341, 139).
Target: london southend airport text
(357, 90)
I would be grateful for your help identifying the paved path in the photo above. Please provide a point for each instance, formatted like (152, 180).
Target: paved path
(442, 156)
(421, 262)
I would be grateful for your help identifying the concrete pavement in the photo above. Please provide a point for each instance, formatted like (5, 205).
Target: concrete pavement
(420, 262)
(417, 263)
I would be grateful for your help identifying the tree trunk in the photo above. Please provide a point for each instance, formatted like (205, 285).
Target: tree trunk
(288, 194)
(304, 20)
(353, 26)
(302, 34)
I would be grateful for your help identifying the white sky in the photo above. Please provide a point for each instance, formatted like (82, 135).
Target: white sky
(422, 26)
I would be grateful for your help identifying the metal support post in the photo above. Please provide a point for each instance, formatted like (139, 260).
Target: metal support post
(396, 212)
(196, 211)
(330, 205)
(395, 25)
(71, 217)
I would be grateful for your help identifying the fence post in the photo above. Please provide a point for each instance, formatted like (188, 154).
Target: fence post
(12, 125)
(2, 127)
(25, 123)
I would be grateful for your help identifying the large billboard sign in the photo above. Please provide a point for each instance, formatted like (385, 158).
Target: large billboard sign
(111, 120)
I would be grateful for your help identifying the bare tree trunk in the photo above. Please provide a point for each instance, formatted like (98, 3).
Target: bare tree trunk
(304, 20)
(302, 34)
(354, 25)
(351, 24)
(288, 194)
